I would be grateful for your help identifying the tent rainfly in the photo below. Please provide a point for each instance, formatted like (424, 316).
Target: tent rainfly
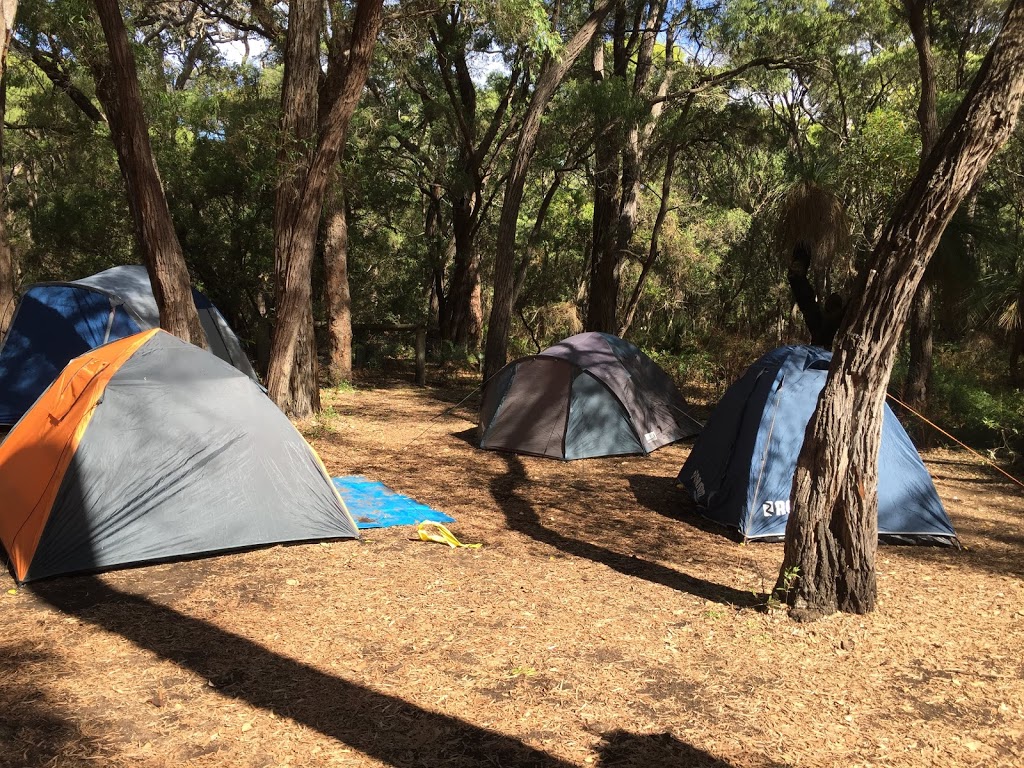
(740, 471)
(590, 395)
(148, 449)
(55, 322)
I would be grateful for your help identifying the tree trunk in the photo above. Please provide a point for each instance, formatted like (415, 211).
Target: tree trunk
(464, 294)
(500, 323)
(117, 86)
(604, 266)
(432, 235)
(603, 287)
(920, 331)
(915, 391)
(292, 365)
(8, 269)
(831, 535)
(313, 132)
(624, 175)
(337, 294)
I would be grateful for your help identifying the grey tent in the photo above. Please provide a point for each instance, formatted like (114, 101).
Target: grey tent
(590, 395)
(55, 322)
(147, 449)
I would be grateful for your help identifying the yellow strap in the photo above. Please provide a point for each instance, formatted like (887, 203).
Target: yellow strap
(442, 536)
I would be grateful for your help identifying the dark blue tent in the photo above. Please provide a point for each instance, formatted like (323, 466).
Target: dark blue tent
(56, 322)
(741, 468)
(590, 395)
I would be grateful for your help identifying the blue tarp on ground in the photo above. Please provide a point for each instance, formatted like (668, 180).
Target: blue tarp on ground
(373, 505)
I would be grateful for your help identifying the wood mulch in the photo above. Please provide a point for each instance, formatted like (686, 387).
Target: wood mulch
(601, 623)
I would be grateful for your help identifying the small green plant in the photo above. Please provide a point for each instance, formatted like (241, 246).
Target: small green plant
(777, 599)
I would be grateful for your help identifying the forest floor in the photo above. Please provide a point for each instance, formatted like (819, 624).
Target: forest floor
(600, 624)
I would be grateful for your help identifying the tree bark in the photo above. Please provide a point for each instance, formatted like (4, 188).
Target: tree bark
(290, 381)
(921, 334)
(919, 370)
(8, 268)
(306, 161)
(500, 322)
(117, 86)
(337, 294)
(831, 534)
(466, 322)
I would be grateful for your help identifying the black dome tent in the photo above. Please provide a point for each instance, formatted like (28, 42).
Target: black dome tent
(590, 395)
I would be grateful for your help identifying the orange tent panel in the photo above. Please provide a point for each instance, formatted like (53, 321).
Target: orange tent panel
(36, 454)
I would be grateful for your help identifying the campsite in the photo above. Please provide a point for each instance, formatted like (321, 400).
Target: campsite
(600, 624)
(511, 383)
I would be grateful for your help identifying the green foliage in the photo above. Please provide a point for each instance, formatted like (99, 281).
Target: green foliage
(841, 115)
(970, 399)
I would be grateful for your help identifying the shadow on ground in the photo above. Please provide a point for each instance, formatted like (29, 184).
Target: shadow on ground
(384, 727)
(520, 516)
(660, 495)
(34, 731)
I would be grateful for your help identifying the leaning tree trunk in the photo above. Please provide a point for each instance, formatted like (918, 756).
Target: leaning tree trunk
(117, 86)
(500, 323)
(832, 531)
(337, 294)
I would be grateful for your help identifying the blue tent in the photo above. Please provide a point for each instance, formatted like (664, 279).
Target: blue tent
(740, 471)
(56, 322)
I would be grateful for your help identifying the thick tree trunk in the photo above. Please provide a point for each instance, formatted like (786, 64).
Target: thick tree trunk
(604, 265)
(117, 86)
(831, 535)
(337, 294)
(500, 323)
(623, 191)
(292, 365)
(306, 161)
(8, 269)
(603, 284)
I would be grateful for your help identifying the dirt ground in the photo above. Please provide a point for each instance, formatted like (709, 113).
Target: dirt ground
(600, 624)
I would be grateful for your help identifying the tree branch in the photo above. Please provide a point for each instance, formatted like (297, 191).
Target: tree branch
(50, 67)
(708, 82)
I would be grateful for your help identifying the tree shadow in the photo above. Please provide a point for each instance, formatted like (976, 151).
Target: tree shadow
(660, 495)
(621, 749)
(34, 732)
(520, 516)
(384, 727)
